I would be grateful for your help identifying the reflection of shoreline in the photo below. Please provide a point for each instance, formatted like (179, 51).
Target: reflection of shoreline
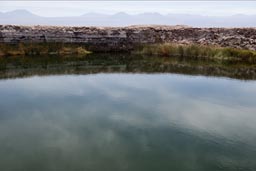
(113, 63)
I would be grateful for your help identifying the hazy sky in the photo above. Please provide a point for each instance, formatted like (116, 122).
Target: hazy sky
(74, 8)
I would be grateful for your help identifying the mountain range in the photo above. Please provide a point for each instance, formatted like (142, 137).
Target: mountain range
(24, 17)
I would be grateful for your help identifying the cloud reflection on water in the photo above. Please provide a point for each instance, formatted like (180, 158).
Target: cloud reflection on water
(84, 121)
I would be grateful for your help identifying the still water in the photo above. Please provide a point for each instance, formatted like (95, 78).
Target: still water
(127, 121)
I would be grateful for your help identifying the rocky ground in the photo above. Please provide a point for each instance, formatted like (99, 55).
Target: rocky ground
(126, 38)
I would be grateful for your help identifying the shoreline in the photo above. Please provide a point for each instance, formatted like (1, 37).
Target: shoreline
(169, 50)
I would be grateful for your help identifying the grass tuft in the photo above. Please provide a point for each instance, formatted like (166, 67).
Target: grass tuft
(41, 49)
(197, 51)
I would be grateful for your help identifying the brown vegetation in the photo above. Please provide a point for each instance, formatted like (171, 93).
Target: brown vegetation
(198, 51)
(41, 49)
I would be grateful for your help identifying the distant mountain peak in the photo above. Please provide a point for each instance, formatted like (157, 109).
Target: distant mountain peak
(24, 17)
(20, 13)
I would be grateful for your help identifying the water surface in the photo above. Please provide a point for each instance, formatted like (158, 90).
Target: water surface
(127, 121)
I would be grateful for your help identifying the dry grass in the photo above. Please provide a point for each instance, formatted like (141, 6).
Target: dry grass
(41, 49)
(198, 51)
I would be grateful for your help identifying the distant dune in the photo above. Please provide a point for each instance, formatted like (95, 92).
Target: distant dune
(23, 17)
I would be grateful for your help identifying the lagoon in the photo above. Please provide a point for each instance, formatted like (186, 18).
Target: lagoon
(121, 118)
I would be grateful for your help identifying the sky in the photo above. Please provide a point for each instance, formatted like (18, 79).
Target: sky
(76, 8)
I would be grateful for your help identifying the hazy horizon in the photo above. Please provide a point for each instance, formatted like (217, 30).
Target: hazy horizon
(120, 13)
(125, 13)
(77, 8)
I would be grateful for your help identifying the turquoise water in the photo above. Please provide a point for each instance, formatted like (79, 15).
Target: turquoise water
(125, 121)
